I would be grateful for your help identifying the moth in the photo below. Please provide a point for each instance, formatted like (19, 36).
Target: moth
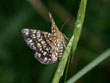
(48, 47)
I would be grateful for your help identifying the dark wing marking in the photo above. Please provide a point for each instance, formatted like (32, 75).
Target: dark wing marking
(30, 36)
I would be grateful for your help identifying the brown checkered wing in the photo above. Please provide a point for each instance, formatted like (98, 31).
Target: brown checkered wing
(43, 44)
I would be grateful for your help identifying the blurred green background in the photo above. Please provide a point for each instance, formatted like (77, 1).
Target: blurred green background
(17, 63)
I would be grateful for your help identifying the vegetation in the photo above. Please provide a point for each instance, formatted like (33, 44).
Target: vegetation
(88, 50)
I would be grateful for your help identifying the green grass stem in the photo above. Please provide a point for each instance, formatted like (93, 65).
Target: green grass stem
(90, 66)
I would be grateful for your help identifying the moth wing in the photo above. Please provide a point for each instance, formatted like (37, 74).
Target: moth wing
(41, 42)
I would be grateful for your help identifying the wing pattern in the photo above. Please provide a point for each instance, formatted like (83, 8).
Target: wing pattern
(46, 50)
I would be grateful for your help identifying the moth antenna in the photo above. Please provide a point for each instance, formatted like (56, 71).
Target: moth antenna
(65, 23)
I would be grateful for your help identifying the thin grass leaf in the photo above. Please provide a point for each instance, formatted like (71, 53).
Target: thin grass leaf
(90, 66)
(66, 69)
(72, 43)
(79, 24)
(77, 29)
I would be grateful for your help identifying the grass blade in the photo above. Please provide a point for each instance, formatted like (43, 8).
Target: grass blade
(62, 63)
(72, 43)
(90, 66)
(79, 24)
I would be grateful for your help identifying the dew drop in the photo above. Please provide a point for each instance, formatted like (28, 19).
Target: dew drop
(58, 70)
(79, 25)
